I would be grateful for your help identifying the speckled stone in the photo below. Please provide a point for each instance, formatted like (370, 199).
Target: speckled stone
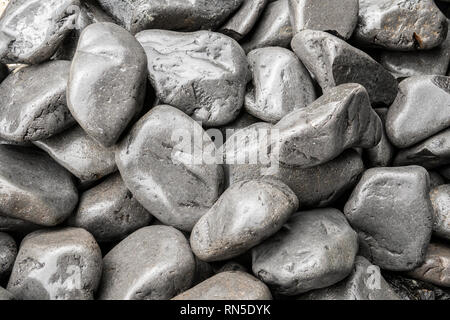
(8, 252)
(440, 199)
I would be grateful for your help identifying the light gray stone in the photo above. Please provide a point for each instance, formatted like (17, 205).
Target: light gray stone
(440, 199)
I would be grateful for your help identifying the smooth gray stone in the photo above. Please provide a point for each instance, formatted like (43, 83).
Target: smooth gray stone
(8, 253)
(153, 263)
(109, 211)
(34, 188)
(383, 153)
(5, 295)
(315, 249)
(57, 264)
(440, 199)
(80, 154)
(390, 209)
(436, 267)
(18, 226)
(408, 120)
(229, 285)
(332, 61)
(4, 71)
(33, 102)
(32, 30)
(107, 81)
(202, 73)
(430, 153)
(273, 28)
(246, 214)
(280, 84)
(340, 119)
(400, 25)
(182, 15)
(435, 179)
(242, 22)
(336, 17)
(364, 283)
(170, 178)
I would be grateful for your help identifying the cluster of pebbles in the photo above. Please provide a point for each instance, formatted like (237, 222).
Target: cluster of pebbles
(98, 202)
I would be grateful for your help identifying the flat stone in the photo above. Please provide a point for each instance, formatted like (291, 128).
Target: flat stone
(273, 28)
(435, 179)
(436, 267)
(168, 177)
(58, 264)
(8, 252)
(202, 73)
(33, 102)
(440, 199)
(391, 210)
(80, 154)
(109, 211)
(138, 15)
(230, 285)
(407, 121)
(34, 188)
(280, 84)
(334, 62)
(32, 30)
(340, 119)
(107, 81)
(400, 25)
(336, 17)
(365, 282)
(153, 263)
(315, 249)
(246, 214)
(5, 295)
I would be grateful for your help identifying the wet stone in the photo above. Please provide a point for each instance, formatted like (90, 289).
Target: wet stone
(202, 73)
(129, 268)
(107, 81)
(440, 199)
(33, 102)
(391, 210)
(334, 62)
(59, 264)
(315, 249)
(8, 252)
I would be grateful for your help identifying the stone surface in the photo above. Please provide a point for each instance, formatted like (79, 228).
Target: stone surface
(17, 226)
(391, 210)
(138, 15)
(340, 119)
(334, 62)
(315, 249)
(153, 263)
(242, 121)
(336, 17)
(33, 102)
(246, 214)
(31, 30)
(364, 283)
(109, 211)
(8, 252)
(34, 188)
(167, 176)
(281, 84)
(5, 294)
(80, 154)
(230, 285)
(413, 289)
(408, 121)
(202, 73)
(400, 25)
(440, 199)
(107, 81)
(383, 153)
(435, 179)
(58, 264)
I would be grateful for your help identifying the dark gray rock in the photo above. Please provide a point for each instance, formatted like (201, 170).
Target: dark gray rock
(107, 81)
(440, 199)
(413, 289)
(202, 73)
(281, 84)
(435, 179)
(400, 25)
(391, 210)
(383, 153)
(230, 285)
(33, 102)
(334, 62)
(58, 264)
(171, 179)
(6, 295)
(315, 249)
(17, 226)
(8, 252)
(153, 263)
(408, 121)
(445, 172)
(34, 188)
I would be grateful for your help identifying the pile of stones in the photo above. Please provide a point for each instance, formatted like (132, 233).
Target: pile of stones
(129, 132)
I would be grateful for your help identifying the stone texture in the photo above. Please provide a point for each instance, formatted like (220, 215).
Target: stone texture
(440, 199)
(413, 289)
(435, 179)
(5, 295)
(17, 226)
(8, 252)
(383, 153)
